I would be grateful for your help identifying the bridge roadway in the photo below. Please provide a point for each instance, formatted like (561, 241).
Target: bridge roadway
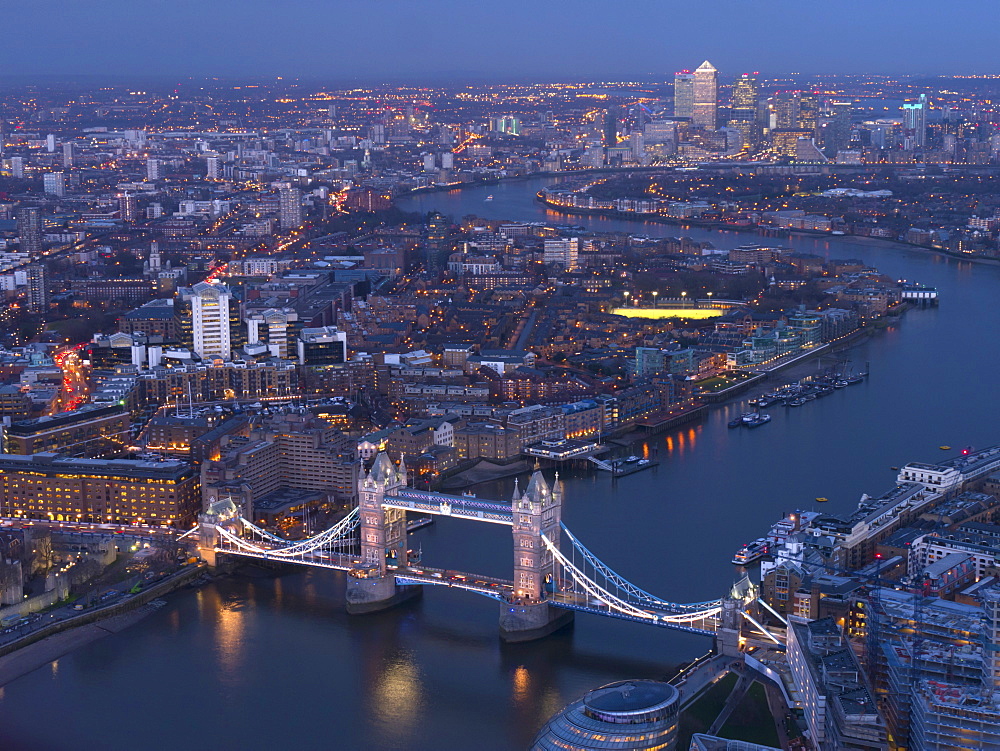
(441, 504)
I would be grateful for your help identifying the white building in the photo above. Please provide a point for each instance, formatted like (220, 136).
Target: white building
(563, 251)
(210, 319)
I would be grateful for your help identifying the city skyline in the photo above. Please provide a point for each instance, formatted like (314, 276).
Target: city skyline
(405, 43)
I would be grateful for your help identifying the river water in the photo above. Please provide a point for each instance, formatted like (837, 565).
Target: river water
(274, 661)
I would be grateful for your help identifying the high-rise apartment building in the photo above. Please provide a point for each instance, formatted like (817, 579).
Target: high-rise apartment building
(37, 289)
(54, 184)
(706, 89)
(915, 121)
(743, 109)
(29, 229)
(17, 167)
(290, 207)
(67, 157)
(128, 207)
(153, 170)
(684, 94)
(213, 167)
(834, 131)
(563, 251)
(210, 319)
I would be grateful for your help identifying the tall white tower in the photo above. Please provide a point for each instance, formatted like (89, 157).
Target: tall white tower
(210, 320)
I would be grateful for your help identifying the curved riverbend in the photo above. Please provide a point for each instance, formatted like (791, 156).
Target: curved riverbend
(274, 661)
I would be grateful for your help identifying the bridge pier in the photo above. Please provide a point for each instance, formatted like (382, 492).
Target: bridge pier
(520, 622)
(378, 593)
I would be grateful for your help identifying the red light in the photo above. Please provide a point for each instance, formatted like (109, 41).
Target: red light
(965, 452)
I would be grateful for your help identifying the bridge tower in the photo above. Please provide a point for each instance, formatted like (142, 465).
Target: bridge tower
(370, 587)
(537, 512)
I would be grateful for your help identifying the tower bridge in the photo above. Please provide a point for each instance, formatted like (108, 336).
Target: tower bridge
(554, 575)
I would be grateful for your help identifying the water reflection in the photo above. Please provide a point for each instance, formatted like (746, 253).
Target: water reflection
(397, 700)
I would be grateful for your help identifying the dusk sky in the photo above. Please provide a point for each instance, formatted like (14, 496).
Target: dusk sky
(402, 39)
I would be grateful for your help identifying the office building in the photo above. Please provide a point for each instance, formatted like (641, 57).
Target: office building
(636, 715)
(29, 229)
(54, 184)
(90, 431)
(290, 211)
(684, 94)
(322, 346)
(210, 318)
(118, 491)
(706, 85)
(838, 705)
(743, 109)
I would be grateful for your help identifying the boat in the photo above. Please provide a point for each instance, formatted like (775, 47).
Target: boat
(755, 421)
(489, 198)
(822, 500)
(632, 459)
(643, 462)
(809, 397)
(839, 384)
(736, 423)
(796, 402)
(945, 448)
(751, 552)
(851, 380)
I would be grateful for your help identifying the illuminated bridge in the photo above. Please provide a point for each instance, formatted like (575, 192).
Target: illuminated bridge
(554, 574)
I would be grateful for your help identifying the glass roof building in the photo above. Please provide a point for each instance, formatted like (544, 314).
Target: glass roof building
(635, 715)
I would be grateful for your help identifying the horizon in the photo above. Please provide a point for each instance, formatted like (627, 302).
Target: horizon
(448, 39)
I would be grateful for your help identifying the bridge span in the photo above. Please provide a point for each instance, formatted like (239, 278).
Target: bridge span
(554, 574)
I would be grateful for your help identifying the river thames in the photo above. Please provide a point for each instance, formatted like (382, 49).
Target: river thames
(270, 661)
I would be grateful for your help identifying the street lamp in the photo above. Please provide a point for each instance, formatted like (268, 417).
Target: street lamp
(626, 293)
(655, 293)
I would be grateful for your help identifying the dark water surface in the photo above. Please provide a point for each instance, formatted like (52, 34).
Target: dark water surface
(274, 662)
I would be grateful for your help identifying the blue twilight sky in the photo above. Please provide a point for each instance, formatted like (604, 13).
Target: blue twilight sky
(538, 40)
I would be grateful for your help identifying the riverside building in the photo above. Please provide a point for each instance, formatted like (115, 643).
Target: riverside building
(117, 491)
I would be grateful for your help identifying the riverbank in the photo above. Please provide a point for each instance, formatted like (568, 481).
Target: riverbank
(626, 216)
(57, 639)
(49, 649)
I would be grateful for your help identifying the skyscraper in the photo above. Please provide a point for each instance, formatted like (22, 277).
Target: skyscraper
(210, 319)
(743, 111)
(835, 129)
(29, 228)
(213, 166)
(290, 207)
(128, 207)
(915, 121)
(684, 94)
(67, 159)
(37, 290)
(706, 87)
(808, 111)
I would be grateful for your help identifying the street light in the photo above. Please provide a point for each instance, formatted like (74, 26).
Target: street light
(655, 293)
